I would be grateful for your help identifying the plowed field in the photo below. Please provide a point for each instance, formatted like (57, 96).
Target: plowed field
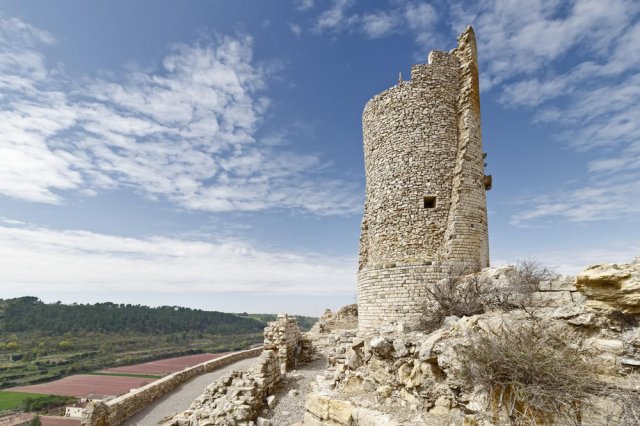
(163, 367)
(83, 385)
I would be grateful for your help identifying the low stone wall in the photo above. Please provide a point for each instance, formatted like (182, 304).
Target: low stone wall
(234, 399)
(116, 411)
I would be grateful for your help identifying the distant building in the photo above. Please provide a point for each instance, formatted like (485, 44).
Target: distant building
(75, 410)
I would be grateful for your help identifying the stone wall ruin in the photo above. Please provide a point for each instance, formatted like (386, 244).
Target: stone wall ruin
(425, 209)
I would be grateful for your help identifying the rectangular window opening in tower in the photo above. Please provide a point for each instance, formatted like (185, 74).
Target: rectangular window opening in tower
(429, 202)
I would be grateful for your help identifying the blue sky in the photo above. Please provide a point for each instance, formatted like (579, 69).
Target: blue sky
(209, 153)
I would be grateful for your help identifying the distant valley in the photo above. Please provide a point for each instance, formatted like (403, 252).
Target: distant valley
(41, 341)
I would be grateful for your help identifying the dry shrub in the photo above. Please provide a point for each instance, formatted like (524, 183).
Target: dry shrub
(465, 293)
(518, 293)
(460, 294)
(530, 375)
(622, 401)
(529, 273)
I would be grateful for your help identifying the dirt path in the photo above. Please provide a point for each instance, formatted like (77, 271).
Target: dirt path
(181, 398)
(292, 392)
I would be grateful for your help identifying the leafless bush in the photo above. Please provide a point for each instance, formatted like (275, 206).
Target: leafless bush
(622, 406)
(530, 375)
(460, 294)
(518, 292)
(465, 293)
(530, 272)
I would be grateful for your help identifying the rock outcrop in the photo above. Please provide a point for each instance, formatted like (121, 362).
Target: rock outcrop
(390, 376)
(611, 288)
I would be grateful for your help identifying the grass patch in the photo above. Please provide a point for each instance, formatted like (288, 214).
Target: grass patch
(144, 376)
(13, 400)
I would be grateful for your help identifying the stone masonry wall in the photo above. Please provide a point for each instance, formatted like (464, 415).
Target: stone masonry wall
(116, 411)
(234, 399)
(425, 208)
(396, 294)
(284, 338)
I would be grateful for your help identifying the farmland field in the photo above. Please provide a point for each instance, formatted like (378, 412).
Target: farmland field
(12, 400)
(164, 366)
(83, 385)
(113, 381)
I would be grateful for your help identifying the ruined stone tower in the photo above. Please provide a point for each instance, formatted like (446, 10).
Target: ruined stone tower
(425, 210)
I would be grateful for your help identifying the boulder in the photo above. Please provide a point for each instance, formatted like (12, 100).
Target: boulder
(352, 359)
(611, 287)
(380, 346)
(426, 348)
(400, 348)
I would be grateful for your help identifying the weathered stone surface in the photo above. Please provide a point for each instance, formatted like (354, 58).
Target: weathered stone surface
(340, 412)
(318, 405)
(427, 345)
(551, 299)
(425, 209)
(400, 349)
(381, 346)
(366, 417)
(271, 401)
(612, 287)
(352, 359)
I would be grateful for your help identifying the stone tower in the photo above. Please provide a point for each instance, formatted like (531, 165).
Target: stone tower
(425, 210)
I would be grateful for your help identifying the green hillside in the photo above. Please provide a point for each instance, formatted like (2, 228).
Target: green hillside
(30, 314)
(41, 341)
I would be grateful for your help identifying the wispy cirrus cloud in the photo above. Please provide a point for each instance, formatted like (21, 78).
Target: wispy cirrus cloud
(37, 259)
(418, 18)
(571, 64)
(188, 132)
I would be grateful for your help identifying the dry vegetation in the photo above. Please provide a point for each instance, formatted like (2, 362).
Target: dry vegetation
(530, 375)
(464, 293)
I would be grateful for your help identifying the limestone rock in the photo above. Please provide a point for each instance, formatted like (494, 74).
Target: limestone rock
(380, 346)
(611, 287)
(340, 412)
(352, 359)
(400, 348)
(271, 401)
(318, 405)
(426, 349)
(384, 391)
(367, 417)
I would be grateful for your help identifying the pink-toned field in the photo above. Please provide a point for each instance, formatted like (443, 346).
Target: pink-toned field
(163, 367)
(83, 385)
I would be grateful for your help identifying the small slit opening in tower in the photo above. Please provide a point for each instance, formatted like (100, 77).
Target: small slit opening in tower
(429, 202)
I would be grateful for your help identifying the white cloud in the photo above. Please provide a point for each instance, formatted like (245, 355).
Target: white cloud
(187, 132)
(336, 18)
(36, 259)
(416, 17)
(522, 38)
(614, 198)
(295, 29)
(304, 4)
(381, 24)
